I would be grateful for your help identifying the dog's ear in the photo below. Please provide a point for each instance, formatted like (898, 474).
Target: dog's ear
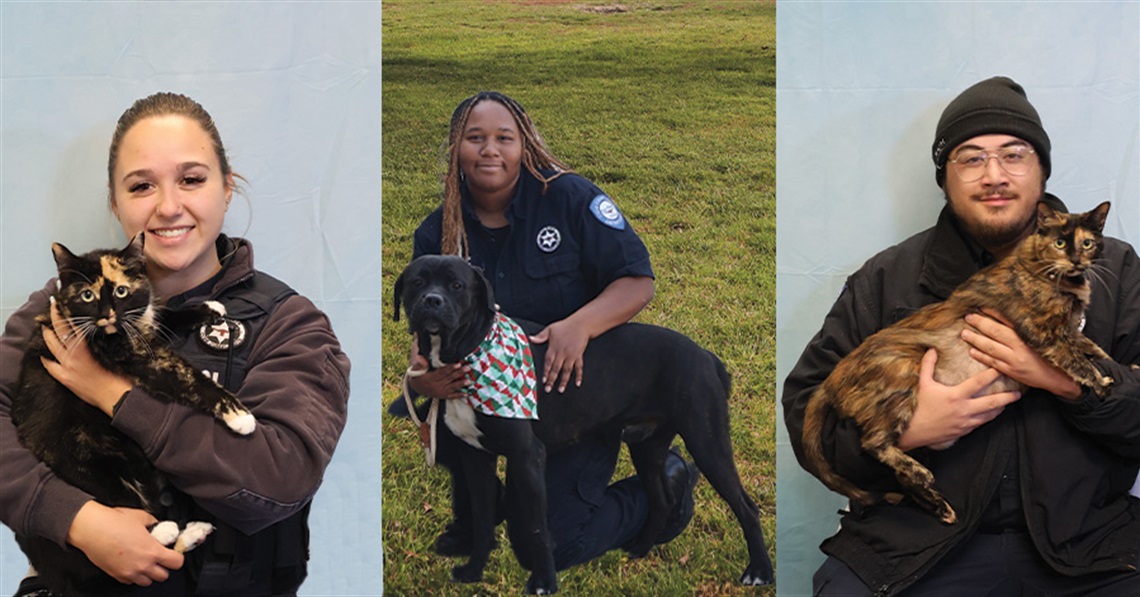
(484, 288)
(396, 292)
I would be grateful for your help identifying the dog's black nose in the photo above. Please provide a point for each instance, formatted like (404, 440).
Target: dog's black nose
(432, 300)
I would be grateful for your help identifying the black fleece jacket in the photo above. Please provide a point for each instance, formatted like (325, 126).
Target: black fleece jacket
(1076, 461)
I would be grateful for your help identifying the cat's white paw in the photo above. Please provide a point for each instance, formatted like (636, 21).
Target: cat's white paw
(216, 307)
(242, 423)
(193, 535)
(165, 532)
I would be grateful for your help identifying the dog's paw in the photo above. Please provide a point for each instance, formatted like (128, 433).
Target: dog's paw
(542, 584)
(218, 309)
(192, 536)
(754, 577)
(165, 532)
(467, 573)
(240, 422)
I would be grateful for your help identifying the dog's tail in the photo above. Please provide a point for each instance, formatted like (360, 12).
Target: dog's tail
(815, 415)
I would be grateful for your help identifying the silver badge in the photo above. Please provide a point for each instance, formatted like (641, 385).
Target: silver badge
(548, 239)
(229, 333)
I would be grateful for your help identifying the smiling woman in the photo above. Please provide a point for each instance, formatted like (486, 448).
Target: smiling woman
(170, 181)
(554, 256)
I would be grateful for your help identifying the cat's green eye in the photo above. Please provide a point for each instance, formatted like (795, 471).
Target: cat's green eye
(1059, 243)
(122, 291)
(87, 296)
(1087, 243)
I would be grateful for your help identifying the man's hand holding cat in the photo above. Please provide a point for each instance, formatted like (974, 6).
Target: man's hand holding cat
(997, 345)
(945, 413)
(76, 369)
(118, 541)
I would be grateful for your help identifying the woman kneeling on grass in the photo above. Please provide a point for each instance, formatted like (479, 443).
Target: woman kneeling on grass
(556, 251)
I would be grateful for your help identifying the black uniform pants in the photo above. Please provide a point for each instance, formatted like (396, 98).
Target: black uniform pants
(987, 565)
(586, 515)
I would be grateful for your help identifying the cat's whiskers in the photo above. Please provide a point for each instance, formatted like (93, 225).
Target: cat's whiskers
(1048, 270)
(1096, 273)
(137, 337)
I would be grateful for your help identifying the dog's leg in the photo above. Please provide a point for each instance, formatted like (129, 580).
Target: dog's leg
(649, 461)
(526, 507)
(479, 467)
(713, 455)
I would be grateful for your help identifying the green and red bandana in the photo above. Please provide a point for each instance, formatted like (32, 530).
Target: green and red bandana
(502, 378)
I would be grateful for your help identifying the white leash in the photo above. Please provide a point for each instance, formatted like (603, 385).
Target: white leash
(426, 430)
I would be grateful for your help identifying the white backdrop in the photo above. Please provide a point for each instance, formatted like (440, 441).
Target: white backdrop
(295, 91)
(860, 87)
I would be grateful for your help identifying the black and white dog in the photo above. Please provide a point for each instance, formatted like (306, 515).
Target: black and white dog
(643, 376)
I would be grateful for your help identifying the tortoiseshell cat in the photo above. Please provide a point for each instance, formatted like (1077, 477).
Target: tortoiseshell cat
(1042, 288)
(107, 299)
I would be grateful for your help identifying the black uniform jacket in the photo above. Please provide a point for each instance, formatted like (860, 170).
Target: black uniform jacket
(564, 244)
(1076, 461)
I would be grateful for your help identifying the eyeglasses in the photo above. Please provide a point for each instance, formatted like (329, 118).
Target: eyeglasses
(1014, 160)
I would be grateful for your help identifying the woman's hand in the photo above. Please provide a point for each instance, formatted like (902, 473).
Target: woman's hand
(446, 382)
(997, 345)
(118, 541)
(617, 304)
(564, 354)
(945, 413)
(77, 370)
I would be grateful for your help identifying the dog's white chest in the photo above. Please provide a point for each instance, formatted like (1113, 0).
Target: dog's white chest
(458, 415)
(460, 419)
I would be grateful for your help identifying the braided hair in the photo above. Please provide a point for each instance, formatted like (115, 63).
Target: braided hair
(535, 156)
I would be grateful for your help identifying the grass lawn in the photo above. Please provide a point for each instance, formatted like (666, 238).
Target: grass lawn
(670, 107)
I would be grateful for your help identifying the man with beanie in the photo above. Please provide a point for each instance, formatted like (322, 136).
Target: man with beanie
(1040, 480)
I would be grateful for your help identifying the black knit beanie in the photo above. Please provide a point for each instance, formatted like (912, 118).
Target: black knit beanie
(996, 105)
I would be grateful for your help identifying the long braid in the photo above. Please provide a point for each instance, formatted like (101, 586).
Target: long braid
(535, 156)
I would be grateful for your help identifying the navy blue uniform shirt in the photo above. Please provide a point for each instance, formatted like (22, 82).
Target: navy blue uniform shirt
(557, 253)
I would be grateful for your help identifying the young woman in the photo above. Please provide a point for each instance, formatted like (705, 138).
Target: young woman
(169, 179)
(558, 252)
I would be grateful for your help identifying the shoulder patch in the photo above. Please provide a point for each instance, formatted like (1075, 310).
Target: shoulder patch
(607, 213)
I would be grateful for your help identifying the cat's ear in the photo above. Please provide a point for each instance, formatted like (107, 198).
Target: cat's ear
(134, 249)
(1095, 219)
(1045, 215)
(63, 257)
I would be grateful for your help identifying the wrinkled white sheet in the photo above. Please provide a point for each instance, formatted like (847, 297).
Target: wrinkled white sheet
(860, 87)
(295, 90)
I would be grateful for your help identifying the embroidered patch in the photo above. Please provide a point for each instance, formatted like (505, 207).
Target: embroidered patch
(548, 239)
(607, 213)
(218, 336)
(502, 378)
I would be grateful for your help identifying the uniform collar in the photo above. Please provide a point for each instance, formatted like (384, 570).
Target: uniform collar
(528, 189)
(952, 255)
(236, 256)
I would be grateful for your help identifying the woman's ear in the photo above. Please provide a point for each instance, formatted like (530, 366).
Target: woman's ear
(229, 189)
(114, 204)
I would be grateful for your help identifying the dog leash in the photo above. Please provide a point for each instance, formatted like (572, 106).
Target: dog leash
(426, 429)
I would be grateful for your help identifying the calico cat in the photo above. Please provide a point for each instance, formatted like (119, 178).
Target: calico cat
(107, 299)
(1042, 288)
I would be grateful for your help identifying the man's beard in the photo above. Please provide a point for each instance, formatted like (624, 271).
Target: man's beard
(996, 235)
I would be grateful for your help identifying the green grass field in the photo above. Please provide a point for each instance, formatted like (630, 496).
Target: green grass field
(670, 107)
